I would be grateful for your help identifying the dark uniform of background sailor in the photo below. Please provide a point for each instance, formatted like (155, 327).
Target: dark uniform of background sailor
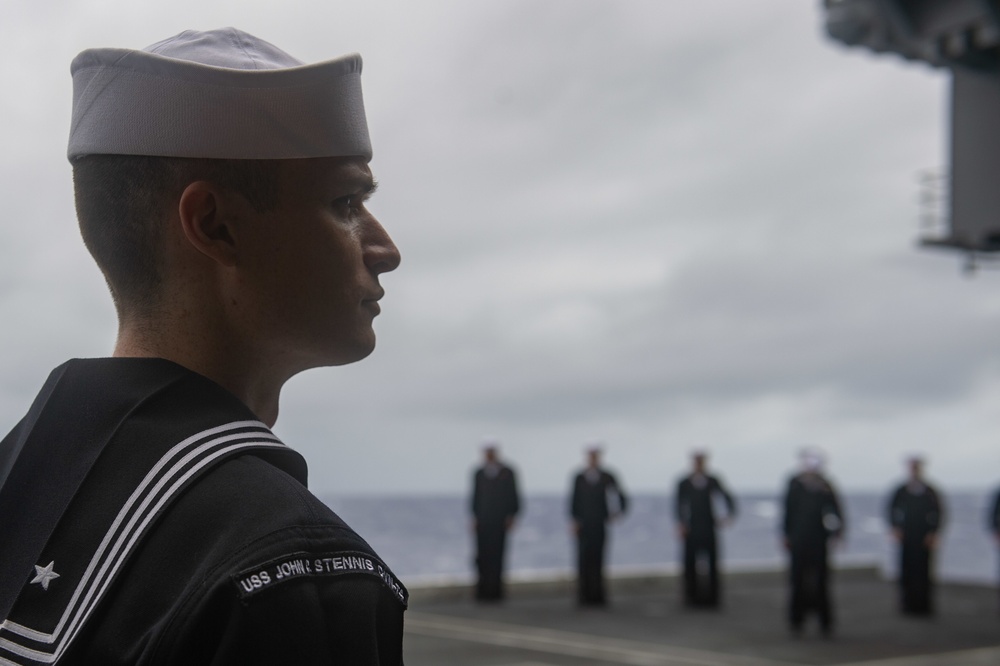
(812, 517)
(495, 503)
(993, 519)
(916, 516)
(696, 527)
(597, 499)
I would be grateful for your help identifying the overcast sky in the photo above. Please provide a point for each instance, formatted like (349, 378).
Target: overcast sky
(658, 225)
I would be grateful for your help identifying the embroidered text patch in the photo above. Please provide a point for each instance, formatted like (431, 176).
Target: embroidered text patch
(298, 565)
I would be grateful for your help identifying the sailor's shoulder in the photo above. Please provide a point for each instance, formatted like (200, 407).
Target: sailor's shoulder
(244, 499)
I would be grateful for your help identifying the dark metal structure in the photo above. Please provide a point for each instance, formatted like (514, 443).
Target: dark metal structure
(964, 37)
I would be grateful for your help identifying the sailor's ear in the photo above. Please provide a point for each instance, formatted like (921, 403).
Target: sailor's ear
(208, 219)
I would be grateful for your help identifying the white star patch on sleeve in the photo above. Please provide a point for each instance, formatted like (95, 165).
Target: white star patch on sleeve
(45, 575)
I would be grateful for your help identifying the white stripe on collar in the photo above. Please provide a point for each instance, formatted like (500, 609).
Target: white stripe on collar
(181, 462)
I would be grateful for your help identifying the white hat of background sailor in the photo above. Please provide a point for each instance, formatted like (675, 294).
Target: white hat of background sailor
(221, 94)
(812, 459)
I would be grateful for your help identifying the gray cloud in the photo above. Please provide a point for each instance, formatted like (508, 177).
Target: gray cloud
(662, 225)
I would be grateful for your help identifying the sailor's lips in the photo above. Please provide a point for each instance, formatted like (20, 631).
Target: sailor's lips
(371, 303)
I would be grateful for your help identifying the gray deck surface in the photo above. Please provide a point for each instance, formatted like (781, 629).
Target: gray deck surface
(646, 625)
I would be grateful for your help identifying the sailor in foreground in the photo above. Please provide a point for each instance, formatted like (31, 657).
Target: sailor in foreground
(148, 514)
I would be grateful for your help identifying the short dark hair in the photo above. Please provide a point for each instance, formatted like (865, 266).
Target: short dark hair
(122, 202)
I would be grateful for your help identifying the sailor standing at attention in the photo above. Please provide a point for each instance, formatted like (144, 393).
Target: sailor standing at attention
(597, 500)
(495, 504)
(694, 509)
(993, 517)
(813, 519)
(149, 515)
(916, 515)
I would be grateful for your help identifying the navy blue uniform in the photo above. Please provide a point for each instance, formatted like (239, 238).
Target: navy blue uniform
(149, 518)
(994, 516)
(812, 517)
(916, 511)
(589, 508)
(695, 512)
(993, 519)
(495, 503)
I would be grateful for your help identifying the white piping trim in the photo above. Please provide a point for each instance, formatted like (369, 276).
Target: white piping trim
(131, 533)
(20, 650)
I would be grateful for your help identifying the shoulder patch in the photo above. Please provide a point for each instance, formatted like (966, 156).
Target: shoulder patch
(312, 565)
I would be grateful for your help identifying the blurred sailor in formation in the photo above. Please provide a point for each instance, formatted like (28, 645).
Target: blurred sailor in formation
(812, 518)
(994, 517)
(597, 499)
(495, 504)
(916, 516)
(694, 508)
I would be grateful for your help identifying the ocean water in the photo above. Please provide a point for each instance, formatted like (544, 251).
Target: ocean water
(427, 539)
